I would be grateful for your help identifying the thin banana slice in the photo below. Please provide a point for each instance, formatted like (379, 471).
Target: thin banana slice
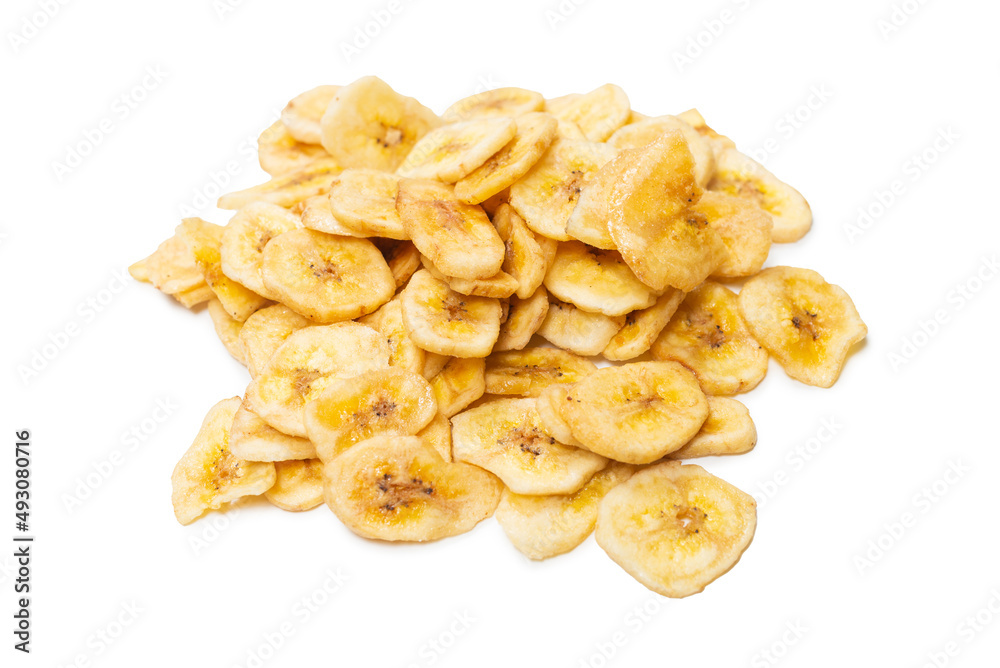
(500, 286)
(541, 527)
(675, 528)
(596, 280)
(642, 328)
(228, 330)
(388, 321)
(244, 239)
(742, 176)
(452, 152)
(661, 239)
(446, 322)
(719, 143)
(510, 102)
(437, 434)
(208, 476)
(637, 412)
(505, 437)
(645, 132)
(491, 205)
(598, 113)
(171, 269)
(708, 335)
(326, 278)
(255, 440)
(318, 215)
(398, 488)
(363, 201)
(535, 133)
(303, 113)
(579, 331)
(403, 259)
(569, 131)
(523, 320)
(299, 485)
(527, 372)
(306, 363)
(288, 188)
(368, 124)
(278, 152)
(205, 242)
(547, 194)
(809, 325)
(351, 410)
(528, 255)
(460, 382)
(264, 331)
(549, 406)
(745, 229)
(729, 430)
(589, 221)
(433, 363)
(457, 237)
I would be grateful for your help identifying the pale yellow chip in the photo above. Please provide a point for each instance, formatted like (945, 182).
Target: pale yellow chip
(264, 331)
(244, 238)
(437, 434)
(578, 331)
(452, 152)
(642, 328)
(459, 382)
(596, 280)
(744, 228)
(528, 255)
(303, 113)
(527, 372)
(299, 485)
(511, 102)
(228, 330)
(172, 269)
(363, 202)
(646, 131)
(525, 317)
(278, 152)
(597, 113)
(728, 430)
(446, 322)
(288, 188)
(253, 439)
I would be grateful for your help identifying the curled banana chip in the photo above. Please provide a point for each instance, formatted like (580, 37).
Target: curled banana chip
(244, 239)
(278, 152)
(228, 330)
(512, 102)
(597, 113)
(363, 202)
(675, 528)
(646, 131)
(264, 331)
(528, 255)
(172, 270)
(720, 143)
(452, 152)
(459, 382)
(744, 228)
(398, 488)
(388, 321)
(255, 440)
(446, 322)
(523, 320)
(208, 476)
(299, 485)
(596, 280)
(527, 372)
(549, 406)
(303, 113)
(578, 331)
(729, 430)
(809, 325)
(642, 328)
(288, 188)
(589, 221)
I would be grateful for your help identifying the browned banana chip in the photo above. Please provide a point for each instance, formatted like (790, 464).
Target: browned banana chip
(244, 239)
(527, 372)
(579, 331)
(264, 331)
(253, 439)
(727, 431)
(596, 280)
(299, 485)
(279, 153)
(446, 322)
(363, 201)
(388, 321)
(511, 102)
(598, 113)
(460, 382)
(708, 335)
(227, 329)
(642, 328)
(524, 319)
(303, 113)
(289, 188)
(172, 270)
(528, 255)
(452, 152)
(745, 229)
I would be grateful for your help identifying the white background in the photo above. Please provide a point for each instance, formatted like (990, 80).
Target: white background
(899, 427)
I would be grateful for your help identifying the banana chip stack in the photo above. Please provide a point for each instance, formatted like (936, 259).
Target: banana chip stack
(420, 300)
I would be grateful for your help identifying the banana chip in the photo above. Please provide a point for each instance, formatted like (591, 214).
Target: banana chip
(459, 382)
(549, 406)
(437, 434)
(579, 331)
(363, 202)
(244, 239)
(452, 152)
(318, 215)
(646, 131)
(512, 102)
(433, 364)
(303, 113)
(589, 221)
(500, 286)
(596, 280)
(446, 322)
(228, 330)
(719, 143)
(388, 321)
(172, 270)
(527, 372)
(278, 152)
(288, 188)
(528, 255)
(255, 440)
(598, 113)
(642, 328)
(299, 485)
(523, 320)
(744, 228)
(264, 331)
(729, 430)
(403, 259)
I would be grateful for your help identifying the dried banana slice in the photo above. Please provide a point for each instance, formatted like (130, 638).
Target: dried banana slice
(306, 363)
(675, 528)
(452, 152)
(326, 278)
(651, 224)
(556, 105)
(637, 412)
(745, 229)
(255, 440)
(527, 372)
(205, 242)
(506, 438)
(368, 124)
(645, 132)
(510, 102)
(446, 322)
(351, 410)
(547, 194)
(528, 255)
(541, 527)
(208, 475)
(579, 331)
(288, 188)
(589, 220)
(171, 269)
(437, 434)
(596, 280)
(742, 176)
(523, 320)
(642, 328)
(388, 321)
(719, 143)
(535, 133)
(244, 239)
(278, 152)
(318, 215)
(403, 259)
(708, 335)
(569, 131)
(399, 488)
(458, 238)
(303, 113)
(809, 325)
(227, 329)
(459, 382)
(598, 113)
(363, 201)
(500, 286)
(265, 331)
(549, 406)
(729, 430)
(299, 485)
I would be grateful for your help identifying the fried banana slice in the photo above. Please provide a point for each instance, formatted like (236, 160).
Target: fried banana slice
(303, 113)
(809, 325)
(527, 372)
(459, 382)
(318, 215)
(326, 278)
(264, 331)
(523, 320)
(596, 280)
(597, 113)
(589, 221)
(403, 259)
(299, 485)
(255, 440)
(388, 321)
(398, 488)
(729, 430)
(500, 286)
(708, 335)
(528, 255)
(719, 142)
(437, 434)
(363, 201)
(579, 331)
(744, 228)
(452, 152)
(228, 330)
(549, 406)
(642, 328)
(368, 124)
(278, 152)
(637, 412)
(675, 528)
(208, 476)
(646, 131)
(511, 102)
(171, 269)
(506, 438)
(244, 238)
(446, 322)
(288, 188)
(541, 527)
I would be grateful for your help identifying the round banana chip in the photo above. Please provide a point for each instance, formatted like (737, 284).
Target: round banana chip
(510, 102)
(557, 105)
(208, 476)
(318, 215)
(745, 229)
(589, 221)
(326, 278)
(708, 335)
(228, 330)
(306, 363)
(437, 434)
(351, 410)
(459, 382)
(549, 406)
(505, 437)
(646, 131)
(303, 113)
(265, 331)
(244, 239)
(446, 322)
(719, 143)
(299, 485)
(398, 488)
(253, 439)
(642, 328)
(287, 188)
(596, 280)
(579, 331)
(278, 152)
(368, 124)
(807, 324)
(527, 372)
(636, 413)
(172, 270)
(675, 528)
(729, 430)
(528, 255)
(597, 113)
(388, 321)
(523, 320)
(363, 201)
(452, 152)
